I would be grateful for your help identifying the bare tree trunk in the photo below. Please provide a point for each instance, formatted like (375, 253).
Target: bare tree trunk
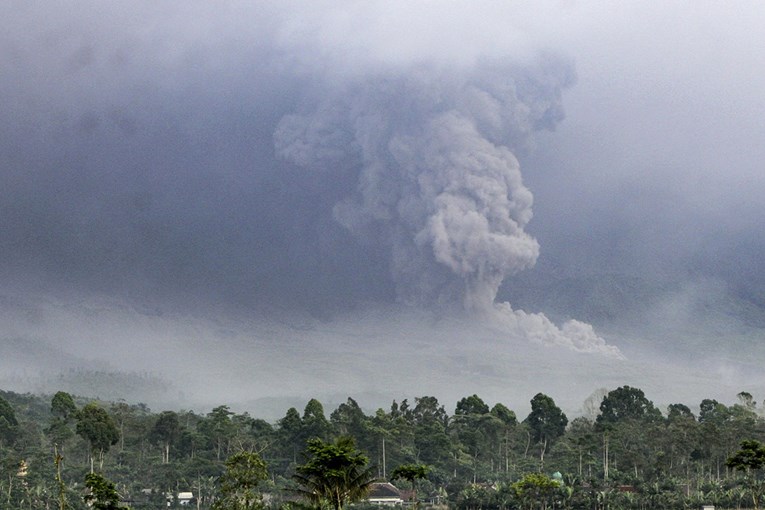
(542, 455)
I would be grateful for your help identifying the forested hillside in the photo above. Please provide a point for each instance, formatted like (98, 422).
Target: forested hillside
(631, 455)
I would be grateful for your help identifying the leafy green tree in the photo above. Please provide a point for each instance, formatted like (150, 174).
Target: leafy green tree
(679, 440)
(626, 416)
(429, 419)
(102, 494)
(97, 427)
(750, 458)
(245, 471)
(314, 422)
(349, 420)
(715, 429)
(502, 412)
(218, 428)
(288, 434)
(334, 473)
(411, 473)
(166, 432)
(535, 489)
(579, 445)
(678, 412)
(8, 423)
(626, 403)
(471, 405)
(62, 406)
(63, 411)
(478, 430)
(546, 421)
(509, 425)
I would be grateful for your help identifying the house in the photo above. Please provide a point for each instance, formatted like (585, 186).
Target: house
(184, 498)
(384, 494)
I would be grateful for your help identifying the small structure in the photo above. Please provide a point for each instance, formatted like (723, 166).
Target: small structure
(184, 498)
(384, 494)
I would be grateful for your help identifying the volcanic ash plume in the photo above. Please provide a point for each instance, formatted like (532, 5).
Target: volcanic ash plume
(436, 184)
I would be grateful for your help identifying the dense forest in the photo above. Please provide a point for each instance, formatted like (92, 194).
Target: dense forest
(56, 449)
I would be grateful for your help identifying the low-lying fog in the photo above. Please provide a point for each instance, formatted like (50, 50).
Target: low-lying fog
(167, 359)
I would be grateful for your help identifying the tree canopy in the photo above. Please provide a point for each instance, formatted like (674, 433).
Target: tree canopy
(335, 473)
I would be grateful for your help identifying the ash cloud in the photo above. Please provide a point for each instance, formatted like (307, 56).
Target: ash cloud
(172, 166)
(436, 185)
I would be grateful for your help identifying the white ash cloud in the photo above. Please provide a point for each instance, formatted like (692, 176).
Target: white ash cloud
(437, 186)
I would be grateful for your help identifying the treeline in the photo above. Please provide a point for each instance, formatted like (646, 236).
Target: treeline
(631, 455)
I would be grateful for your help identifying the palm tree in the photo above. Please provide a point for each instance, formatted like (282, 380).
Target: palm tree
(334, 473)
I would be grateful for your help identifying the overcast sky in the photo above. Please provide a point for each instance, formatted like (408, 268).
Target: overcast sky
(282, 154)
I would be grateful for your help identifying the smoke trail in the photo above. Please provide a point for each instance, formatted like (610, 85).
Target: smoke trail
(437, 184)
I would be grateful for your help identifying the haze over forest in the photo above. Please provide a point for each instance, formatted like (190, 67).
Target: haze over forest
(256, 203)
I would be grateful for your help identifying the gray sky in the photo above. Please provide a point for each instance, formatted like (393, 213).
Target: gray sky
(273, 155)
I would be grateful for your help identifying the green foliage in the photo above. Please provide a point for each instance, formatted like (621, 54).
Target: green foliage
(166, 432)
(474, 457)
(334, 473)
(98, 428)
(504, 414)
(751, 456)
(626, 403)
(245, 471)
(411, 473)
(62, 406)
(546, 421)
(314, 423)
(535, 489)
(8, 422)
(471, 405)
(102, 494)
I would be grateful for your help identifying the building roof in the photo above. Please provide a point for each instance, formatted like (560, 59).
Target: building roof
(384, 491)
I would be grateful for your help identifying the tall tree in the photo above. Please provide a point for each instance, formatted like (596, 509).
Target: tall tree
(314, 421)
(63, 410)
(478, 430)
(97, 427)
(625, 414)
(218, 428)
(245, 471)
(8, 423)
(626, 403)
(546, 421)
(166, 431)
(62, 406)
(509, 424)
(349, 420)
(334, 473)
(102, 494)
(750, 458)
(535, 490)
(288, 434)
(430, 421)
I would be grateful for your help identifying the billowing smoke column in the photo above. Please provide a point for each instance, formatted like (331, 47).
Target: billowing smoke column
(437, 185)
